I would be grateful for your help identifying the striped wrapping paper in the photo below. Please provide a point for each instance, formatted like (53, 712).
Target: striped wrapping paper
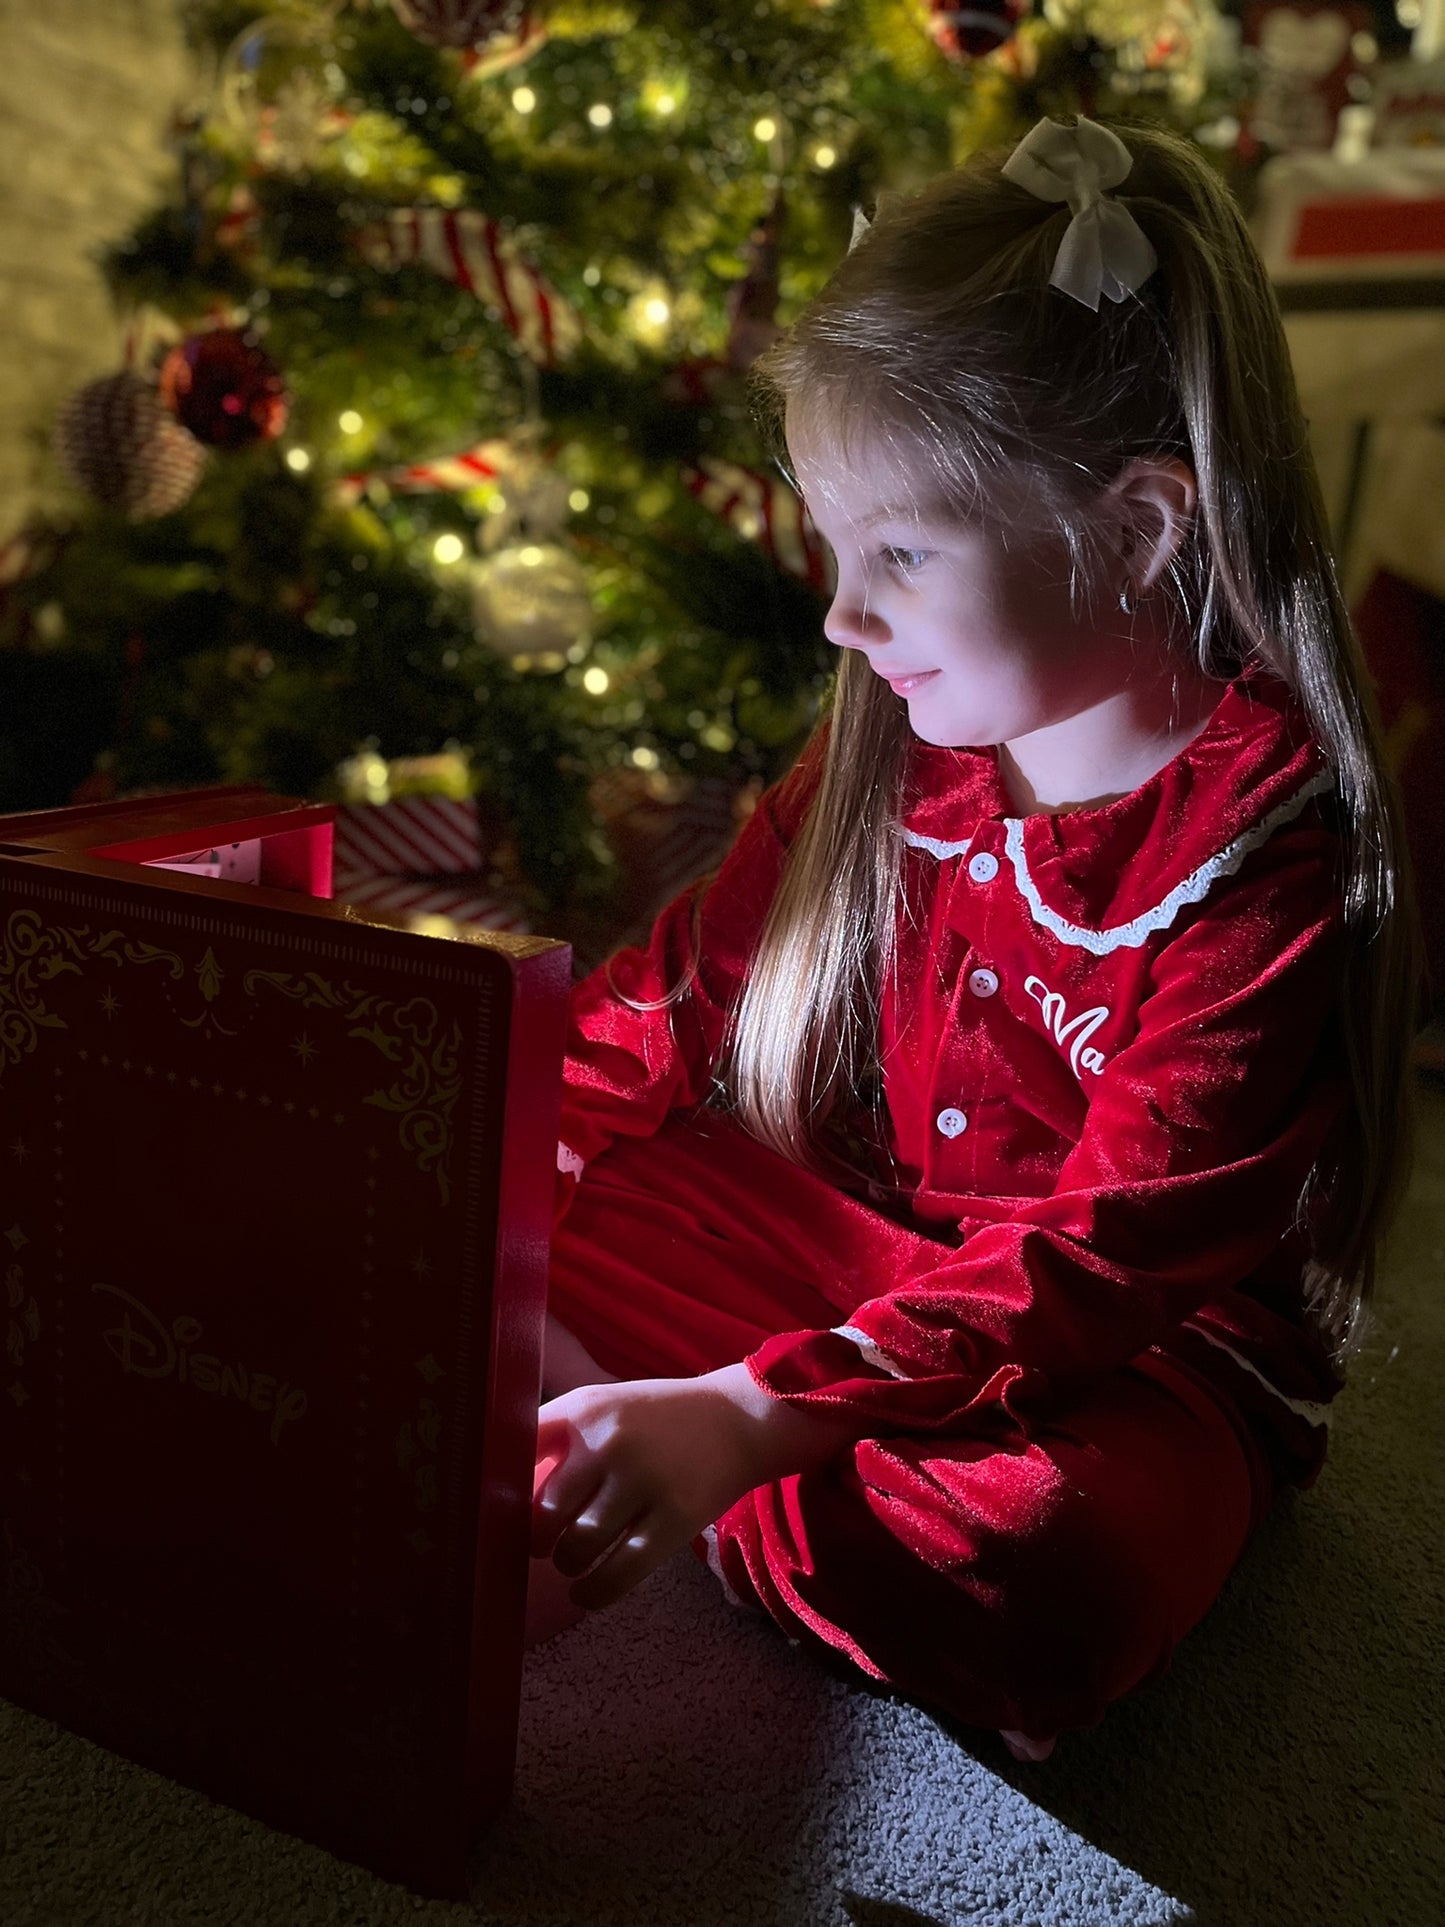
(661, 845)
(464, 899)
(411, 836)
(661, 842)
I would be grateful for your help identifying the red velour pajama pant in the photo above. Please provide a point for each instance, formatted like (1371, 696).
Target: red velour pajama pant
(1019, 1574)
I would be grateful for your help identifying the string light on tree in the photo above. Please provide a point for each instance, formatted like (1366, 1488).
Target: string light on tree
(771, 130)
(665, 96)
(649, 314)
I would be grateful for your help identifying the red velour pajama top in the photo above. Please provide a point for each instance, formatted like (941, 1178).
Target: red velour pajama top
(1109, 1058)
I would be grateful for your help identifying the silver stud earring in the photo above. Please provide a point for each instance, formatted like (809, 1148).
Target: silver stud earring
(1127, 603)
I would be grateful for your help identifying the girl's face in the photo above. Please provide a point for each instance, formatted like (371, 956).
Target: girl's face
(972, 628)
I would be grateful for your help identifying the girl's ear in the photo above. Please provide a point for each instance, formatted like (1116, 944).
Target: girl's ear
(1153, 499)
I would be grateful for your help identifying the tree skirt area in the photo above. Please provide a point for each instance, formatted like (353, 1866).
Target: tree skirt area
(680, 1763)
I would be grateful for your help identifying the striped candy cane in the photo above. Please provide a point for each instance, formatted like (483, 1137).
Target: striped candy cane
(766, 510)
(448, 473)
(474, 253)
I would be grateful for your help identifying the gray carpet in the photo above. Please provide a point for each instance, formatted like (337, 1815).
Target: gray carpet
(680, 1763)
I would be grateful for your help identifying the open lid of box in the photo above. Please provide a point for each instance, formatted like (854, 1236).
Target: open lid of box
(274, 1193)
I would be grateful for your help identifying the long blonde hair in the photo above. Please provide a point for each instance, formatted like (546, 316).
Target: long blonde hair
(939, 341)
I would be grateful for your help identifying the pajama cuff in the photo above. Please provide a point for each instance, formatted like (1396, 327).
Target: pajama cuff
(569, 1160)
(845, 1370)
(569, 1171)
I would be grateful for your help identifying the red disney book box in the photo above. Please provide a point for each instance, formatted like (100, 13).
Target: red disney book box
(275, 1190)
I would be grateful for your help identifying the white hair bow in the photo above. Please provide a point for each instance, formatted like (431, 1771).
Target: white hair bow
(1104, 249)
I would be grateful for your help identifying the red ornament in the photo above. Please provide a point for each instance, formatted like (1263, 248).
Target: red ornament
(964, 33)
(764, 509)
(225, 388)
(460, 23)
(120, 443)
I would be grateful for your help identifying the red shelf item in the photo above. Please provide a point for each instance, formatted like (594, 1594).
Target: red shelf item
(1370, 224)
(275, 1187)
(1378, 218)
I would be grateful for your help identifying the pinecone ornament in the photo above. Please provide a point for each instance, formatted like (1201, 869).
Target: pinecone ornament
(121, 444)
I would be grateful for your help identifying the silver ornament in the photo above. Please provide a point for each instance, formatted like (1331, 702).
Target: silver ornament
(531, 599)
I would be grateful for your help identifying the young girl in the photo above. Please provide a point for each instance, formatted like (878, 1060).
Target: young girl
(968, 1198)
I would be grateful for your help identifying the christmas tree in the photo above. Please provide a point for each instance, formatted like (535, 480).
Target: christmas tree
(434, 435)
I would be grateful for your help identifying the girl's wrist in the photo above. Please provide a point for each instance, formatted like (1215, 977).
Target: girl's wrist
(790, 1439)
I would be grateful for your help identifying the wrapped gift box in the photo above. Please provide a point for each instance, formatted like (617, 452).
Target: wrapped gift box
(462, 899)
(274, 1194)
(419, 836)
(426, 836)
(664, 832)
(415, 816)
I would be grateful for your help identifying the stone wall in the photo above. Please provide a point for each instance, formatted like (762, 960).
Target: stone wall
(87, 90)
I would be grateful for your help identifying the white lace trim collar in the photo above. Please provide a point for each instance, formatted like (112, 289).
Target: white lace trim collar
(1132, 934)
(934, 847)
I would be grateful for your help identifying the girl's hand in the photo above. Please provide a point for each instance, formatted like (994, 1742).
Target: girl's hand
(567, 1363)
(645, 1464)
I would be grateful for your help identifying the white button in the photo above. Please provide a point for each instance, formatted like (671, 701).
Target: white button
(983, 868)
(983, 983)
(952, 1122)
